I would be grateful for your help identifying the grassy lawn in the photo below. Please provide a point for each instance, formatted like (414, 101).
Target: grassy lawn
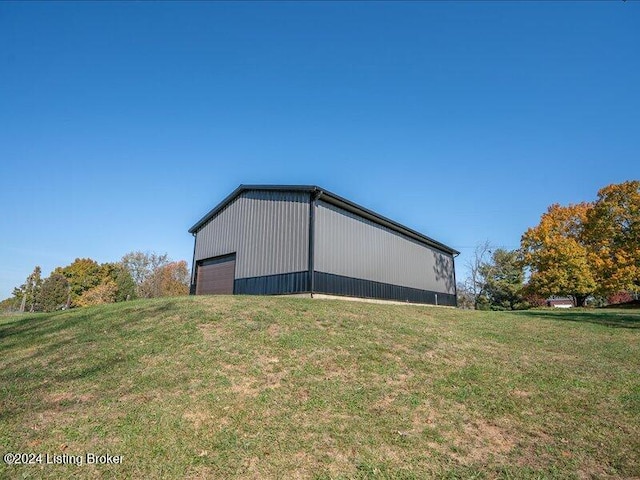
(263, 387)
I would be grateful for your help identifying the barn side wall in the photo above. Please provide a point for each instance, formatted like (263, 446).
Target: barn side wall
(269, 232)
(355, 256)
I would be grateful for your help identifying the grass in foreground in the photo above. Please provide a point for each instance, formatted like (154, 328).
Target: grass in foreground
(255, 387)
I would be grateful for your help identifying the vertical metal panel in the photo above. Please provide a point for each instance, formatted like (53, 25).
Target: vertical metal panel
(268, 231)
(351, 246)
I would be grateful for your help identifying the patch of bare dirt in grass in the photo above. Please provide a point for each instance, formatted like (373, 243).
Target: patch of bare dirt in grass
(423, 416)
(324, 456)
(383, 404)
(394, 455)
(251, 468)
(328, 457)
(274, 330)
(149, 362)
(43, 420)
(270, 376)
(532, 455)
(245, 388)
(198, 418)
(68, 397)
(211, 331)
(146, 396)
(219, 422)
(353, 316)
(302, 395)
(299, 465)
(340, 464)
(394, 357)
(482, 440)
(273, 380)
(590, 469)
(200, 472)
(451, 356)
(476, 441)
(56, 406)
(67, 412)
(337, 364)
(266, 360)
(273, 372)
(398, 381)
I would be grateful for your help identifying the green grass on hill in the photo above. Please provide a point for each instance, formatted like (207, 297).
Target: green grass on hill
(258, 387)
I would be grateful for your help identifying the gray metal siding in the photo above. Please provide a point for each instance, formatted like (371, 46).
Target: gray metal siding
(348, 245)
(268, 230)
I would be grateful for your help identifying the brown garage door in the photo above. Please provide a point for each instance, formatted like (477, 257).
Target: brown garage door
(216, 275)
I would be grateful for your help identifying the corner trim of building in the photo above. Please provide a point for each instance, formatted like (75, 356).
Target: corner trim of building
(192, 287)
(313, 198)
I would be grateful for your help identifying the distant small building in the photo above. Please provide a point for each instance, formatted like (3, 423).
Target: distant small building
(560, 302)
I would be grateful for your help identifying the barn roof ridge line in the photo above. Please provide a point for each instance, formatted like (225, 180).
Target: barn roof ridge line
(337, 200)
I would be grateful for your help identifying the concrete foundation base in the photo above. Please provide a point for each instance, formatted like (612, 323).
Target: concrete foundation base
(323, 296)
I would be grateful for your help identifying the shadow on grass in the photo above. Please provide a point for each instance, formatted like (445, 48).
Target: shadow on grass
(62, 351)
(606, 317)
(35, 324)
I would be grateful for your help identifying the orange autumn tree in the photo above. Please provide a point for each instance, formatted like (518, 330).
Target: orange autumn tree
(174, 279)
(612, 234)
(589, 248)
(167, 280)
(556, 254)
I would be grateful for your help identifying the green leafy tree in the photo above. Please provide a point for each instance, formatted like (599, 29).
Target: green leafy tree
(124, 282)
(55, 292)
(28, 294)
(83, 274)
(503, 277)
(120, 276)
(11, 304)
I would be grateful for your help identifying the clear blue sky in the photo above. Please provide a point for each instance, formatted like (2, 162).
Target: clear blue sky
(121, 124)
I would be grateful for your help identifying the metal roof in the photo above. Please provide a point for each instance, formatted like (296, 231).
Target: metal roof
(332, 198)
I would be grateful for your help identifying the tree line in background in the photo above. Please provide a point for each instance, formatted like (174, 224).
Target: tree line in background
(586, 251)
(86, 282)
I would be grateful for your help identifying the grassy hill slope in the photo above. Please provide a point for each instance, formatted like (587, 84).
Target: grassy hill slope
(256, 387)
